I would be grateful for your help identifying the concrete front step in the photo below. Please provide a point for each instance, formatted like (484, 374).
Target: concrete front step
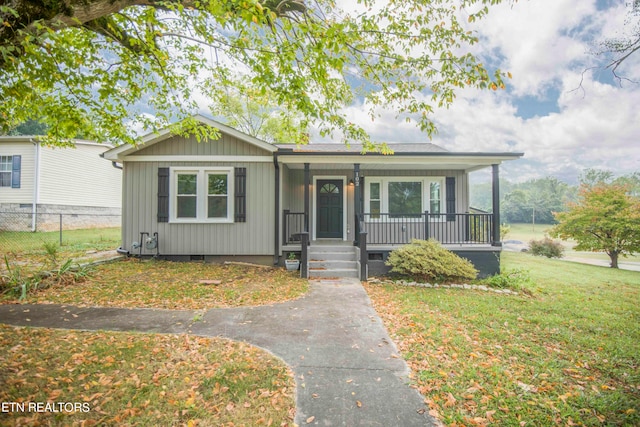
(332, 248)
(333, 264)
(332, 261)
(332, 256)
(333, 273)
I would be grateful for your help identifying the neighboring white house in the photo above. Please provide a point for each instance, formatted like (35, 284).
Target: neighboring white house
(73, 181)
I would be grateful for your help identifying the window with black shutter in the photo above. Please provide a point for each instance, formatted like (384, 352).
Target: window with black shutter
(241, 195)
(163, 194)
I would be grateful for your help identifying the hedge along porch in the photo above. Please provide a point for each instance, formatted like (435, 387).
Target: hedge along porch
(241, 198)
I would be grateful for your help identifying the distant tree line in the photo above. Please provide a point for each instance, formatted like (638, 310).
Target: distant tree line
(535, 200)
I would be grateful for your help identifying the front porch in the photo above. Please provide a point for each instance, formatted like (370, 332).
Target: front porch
(376, 203)
(469, 235)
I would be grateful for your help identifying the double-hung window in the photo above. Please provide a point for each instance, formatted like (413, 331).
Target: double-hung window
(202, 194)
(404, 197)
(6, 165)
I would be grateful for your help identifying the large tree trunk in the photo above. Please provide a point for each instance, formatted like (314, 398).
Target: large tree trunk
(614, 258)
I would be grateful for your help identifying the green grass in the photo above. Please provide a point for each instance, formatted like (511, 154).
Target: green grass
(527, 232)
(141, 379)
(27, 243)
(568, 354)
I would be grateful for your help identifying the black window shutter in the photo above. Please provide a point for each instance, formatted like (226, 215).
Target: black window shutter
(450, 184)
(240, 204)
(163, 194)
(15, 171)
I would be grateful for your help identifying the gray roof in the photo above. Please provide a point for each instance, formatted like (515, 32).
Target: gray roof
(425, 147)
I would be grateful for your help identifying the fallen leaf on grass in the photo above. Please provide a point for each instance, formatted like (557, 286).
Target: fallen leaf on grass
(451, 401)
(527, 388)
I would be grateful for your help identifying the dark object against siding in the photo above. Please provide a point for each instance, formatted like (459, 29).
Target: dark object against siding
(163, 194)
(241, 195)
(450, 184)
(15, 171)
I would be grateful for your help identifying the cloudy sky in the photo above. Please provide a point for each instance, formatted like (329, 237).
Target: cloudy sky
(561, 112)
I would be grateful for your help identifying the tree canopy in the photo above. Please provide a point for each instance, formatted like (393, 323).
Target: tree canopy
(102, 68)
(256, 113)
(605, 219)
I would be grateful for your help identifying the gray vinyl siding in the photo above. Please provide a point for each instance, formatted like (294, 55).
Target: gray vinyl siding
(140, 187)
(227, 145)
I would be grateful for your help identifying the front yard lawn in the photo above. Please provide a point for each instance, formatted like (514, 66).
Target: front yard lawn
(568, 355)
(113, 379)
(173, 285)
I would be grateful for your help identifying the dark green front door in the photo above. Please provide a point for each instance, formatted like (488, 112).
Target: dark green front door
(329, 208)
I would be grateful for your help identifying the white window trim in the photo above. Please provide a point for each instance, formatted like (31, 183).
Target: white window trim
(384, 195)
(201, 196)
(9, 171)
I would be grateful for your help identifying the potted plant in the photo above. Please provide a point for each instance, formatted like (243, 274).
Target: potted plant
(291, 262)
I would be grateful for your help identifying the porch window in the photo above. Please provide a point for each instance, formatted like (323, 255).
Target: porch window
(6, 163)
(202, 194)
(404, 197)
(435, 198)
(374, 200)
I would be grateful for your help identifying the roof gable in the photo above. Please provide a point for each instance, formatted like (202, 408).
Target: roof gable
(150, 140)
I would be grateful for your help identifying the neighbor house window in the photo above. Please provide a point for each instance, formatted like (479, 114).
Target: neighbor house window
(406, 197)
(202, 194)
(6, 164)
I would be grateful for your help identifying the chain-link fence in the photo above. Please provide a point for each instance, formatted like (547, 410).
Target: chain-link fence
(27, 233)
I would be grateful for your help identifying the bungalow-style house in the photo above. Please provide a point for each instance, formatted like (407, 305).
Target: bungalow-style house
(39, 183)
(339, 211)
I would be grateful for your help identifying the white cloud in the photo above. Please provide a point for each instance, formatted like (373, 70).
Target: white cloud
(537, 39)
(547, 45)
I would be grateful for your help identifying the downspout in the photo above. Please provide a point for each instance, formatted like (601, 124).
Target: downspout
(276, 246)
(36, 186)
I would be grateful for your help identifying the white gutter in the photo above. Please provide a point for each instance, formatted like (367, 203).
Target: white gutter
(36, 186)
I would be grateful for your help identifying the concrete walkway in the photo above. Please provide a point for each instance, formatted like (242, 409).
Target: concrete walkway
(622, 264)
(347, 369)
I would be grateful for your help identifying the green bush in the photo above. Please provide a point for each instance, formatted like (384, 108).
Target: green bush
(546, 247)
(517, 279)
(427, 261)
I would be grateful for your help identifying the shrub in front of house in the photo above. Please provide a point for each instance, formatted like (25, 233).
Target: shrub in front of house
(546, 247)
(517, 279)
(428, 261)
